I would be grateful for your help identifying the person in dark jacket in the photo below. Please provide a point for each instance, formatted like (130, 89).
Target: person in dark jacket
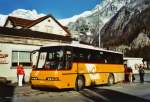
(126, 73)
(141, 73)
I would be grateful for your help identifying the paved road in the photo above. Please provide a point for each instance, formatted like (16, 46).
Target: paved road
(121, 92)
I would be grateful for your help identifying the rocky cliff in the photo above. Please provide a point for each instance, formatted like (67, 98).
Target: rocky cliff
(130, 28)
(89, 23)
(127, 24)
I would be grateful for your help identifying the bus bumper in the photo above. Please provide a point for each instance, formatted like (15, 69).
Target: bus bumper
(46, 84)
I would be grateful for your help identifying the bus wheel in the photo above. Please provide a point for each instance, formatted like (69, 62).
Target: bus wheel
(80, 83)
(111, 80)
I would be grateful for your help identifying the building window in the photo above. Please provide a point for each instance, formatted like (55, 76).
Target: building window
(49, 20)
(21, 57)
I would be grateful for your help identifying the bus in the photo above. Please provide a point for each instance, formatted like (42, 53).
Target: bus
(76, 66)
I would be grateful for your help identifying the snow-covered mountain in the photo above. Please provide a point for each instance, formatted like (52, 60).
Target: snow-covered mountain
(21, 13)
(106, 5)
(27, 14)
(130, 21)
(114, 5)
(129, 30)
(3, 19)
(92, 21)
(66, 21)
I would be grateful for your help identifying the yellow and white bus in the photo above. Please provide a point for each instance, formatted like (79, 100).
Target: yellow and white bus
(76, 66)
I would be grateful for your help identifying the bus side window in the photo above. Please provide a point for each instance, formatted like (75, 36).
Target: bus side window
(68, 60)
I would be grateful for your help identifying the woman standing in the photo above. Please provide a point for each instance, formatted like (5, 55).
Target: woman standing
(20, 74)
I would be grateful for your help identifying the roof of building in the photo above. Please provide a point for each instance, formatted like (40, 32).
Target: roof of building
(27, 33)
(26, 23)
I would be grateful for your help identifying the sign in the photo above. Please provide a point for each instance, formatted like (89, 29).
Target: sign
(3, 57)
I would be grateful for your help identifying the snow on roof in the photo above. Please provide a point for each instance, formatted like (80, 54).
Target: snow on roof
(76, 44)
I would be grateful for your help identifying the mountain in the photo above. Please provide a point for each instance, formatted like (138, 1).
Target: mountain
(127, 23)
(129, 30)
(66, 21)
(26, 14)
(3, 19)
(87, 25)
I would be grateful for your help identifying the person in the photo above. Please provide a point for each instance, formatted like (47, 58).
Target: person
(130, 74)
(133, 77)
(56, 56)
(141, 73)
(126, 73)
(20, 74)
(56, 60)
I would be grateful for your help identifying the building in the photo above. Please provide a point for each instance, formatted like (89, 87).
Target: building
(19, 37)
(47, 24)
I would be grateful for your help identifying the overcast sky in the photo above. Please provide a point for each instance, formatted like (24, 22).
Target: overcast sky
(59, 8)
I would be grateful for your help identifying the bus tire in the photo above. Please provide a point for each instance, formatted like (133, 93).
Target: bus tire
(80, 83)
(111, 80)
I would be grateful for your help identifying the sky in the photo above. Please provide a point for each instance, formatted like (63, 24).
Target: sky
(59, 8)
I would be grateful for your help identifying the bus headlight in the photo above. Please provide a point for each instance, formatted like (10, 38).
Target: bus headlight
(52, 78)
(34, 78)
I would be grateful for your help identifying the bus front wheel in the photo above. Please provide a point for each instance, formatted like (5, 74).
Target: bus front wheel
(80, 83)
(111, 80)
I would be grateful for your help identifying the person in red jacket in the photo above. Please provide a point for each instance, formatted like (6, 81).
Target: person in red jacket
(20, 74)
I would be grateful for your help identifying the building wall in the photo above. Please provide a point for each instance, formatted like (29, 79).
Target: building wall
(49, 26)
(6, 69)
(9, 24)
(27, 41)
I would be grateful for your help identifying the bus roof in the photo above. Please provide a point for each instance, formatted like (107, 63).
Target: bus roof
(81, 46)
(132, 58)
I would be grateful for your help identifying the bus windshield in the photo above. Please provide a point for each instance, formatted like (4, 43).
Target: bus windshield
(51, 58)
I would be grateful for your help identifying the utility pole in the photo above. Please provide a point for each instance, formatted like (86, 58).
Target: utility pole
(99, 27)
(78, 30)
